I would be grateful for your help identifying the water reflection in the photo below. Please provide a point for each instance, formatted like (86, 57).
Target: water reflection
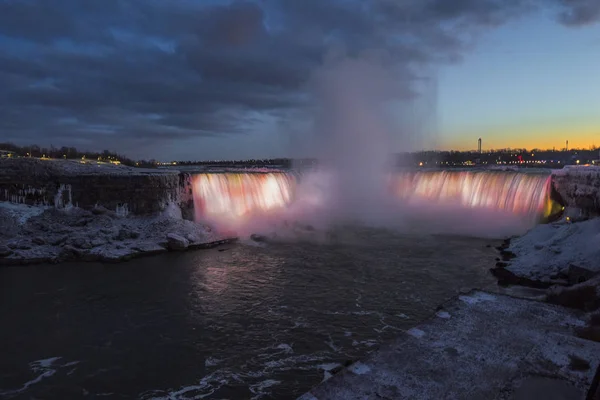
(236, 322)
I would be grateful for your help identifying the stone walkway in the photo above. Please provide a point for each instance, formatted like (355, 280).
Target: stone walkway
(479, 346)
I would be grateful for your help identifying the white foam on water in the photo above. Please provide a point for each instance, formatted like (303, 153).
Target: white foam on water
(359, 368)
(40, 366)
(477, 298)
(211, 362)
(327, 370)
(259, 389)
(366, 343)
(328, 366)
(307, 396)
(416, 332)
(204, 388)
(332, 345)
(285, 347)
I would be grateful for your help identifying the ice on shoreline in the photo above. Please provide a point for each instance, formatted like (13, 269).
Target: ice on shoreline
(20, 212)
(43, 234)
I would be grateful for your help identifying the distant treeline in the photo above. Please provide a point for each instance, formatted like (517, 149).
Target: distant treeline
(447, 158)
(71, 153)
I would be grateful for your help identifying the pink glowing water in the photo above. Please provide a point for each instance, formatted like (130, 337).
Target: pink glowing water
(229, 199)
(518, 193)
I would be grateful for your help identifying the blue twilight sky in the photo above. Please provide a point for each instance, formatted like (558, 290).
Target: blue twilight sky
(195, 79)
(530, 83)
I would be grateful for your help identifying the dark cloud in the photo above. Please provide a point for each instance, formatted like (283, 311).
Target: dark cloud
(579, 12)
(125, 73)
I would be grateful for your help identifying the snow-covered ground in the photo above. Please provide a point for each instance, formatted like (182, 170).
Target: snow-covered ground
(577, 170)
(77, 167)
(550, 250)
(44, 234)
(20, 212)
(94, 167)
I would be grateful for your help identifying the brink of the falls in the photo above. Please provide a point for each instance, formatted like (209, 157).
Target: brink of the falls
(231, 198)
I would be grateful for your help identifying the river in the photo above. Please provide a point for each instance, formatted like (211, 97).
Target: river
(249, 320)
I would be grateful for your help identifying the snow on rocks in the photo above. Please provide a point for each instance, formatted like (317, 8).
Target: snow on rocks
(559, 250)
(21, 212)
(176, 242)
(53, 167)
(579, 187)
(55, 235)
(487, 350)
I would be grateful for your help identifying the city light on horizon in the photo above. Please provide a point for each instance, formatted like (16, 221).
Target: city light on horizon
(519, 139)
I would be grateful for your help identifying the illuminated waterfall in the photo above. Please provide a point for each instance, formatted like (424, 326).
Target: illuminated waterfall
(230, 196)
(524, 194)
(234, 196)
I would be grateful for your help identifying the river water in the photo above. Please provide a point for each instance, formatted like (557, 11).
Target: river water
(250, 320)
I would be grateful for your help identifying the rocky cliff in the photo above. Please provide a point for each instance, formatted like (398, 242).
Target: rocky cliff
(579, 188)
(64, 183)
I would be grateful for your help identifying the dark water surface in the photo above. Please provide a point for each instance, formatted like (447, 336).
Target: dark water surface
(237, 322)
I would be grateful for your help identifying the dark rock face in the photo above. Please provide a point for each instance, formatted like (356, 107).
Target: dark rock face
(186, 196)
(99, 188)
(577, 274)
(5, 251)
(583, 296)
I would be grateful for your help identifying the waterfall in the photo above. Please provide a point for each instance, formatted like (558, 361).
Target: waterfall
(235, 195)
(526, 194)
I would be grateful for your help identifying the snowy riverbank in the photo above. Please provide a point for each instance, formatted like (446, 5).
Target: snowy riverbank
(33, 234)
(561, 259)
(555, 251)
(511, 347)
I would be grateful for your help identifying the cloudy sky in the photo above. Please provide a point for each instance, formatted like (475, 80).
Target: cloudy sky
(208, 79)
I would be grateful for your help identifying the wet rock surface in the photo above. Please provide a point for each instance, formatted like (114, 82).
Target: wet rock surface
(57, 235)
